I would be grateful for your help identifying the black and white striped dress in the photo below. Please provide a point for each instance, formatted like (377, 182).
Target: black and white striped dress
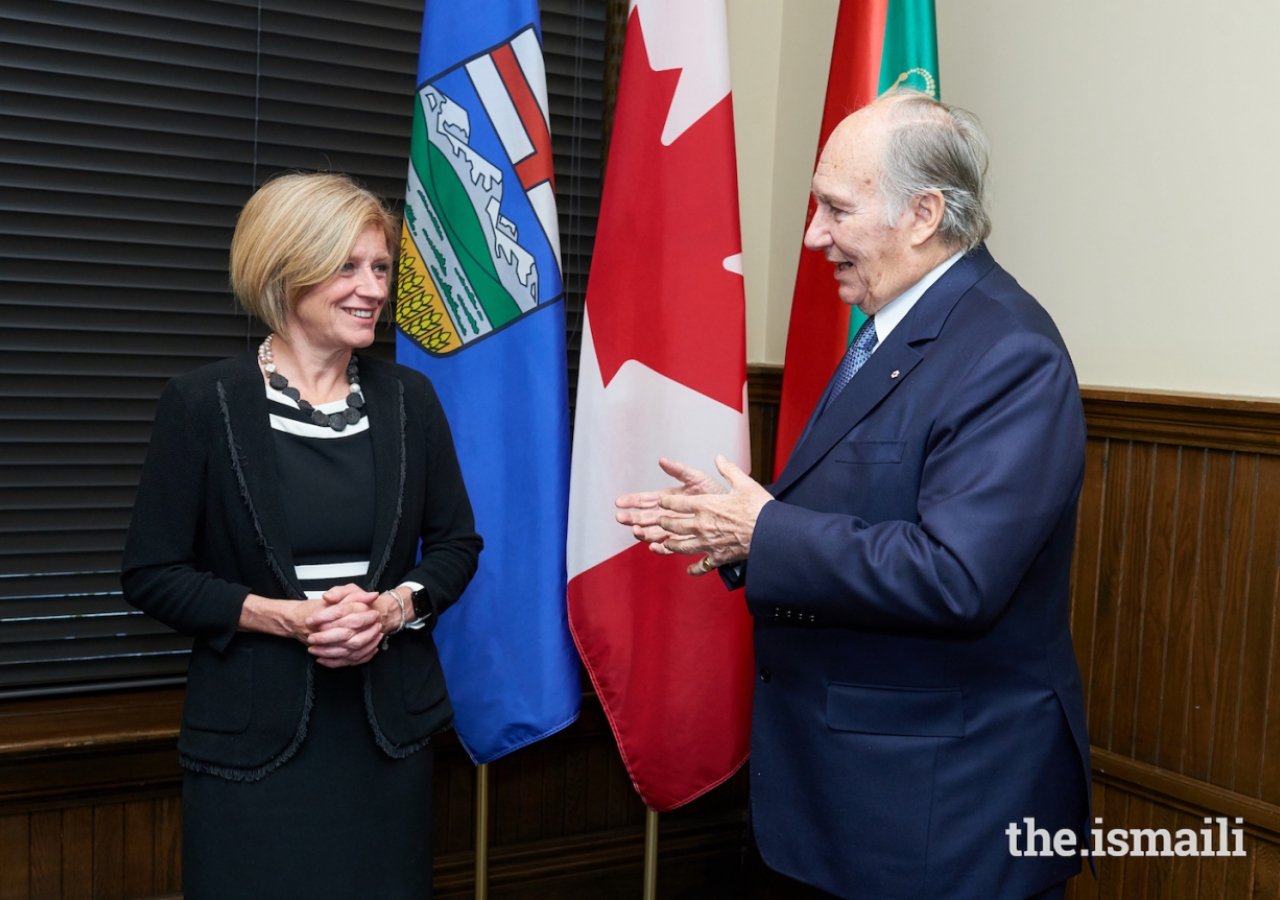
(326, 484)
(340, 819)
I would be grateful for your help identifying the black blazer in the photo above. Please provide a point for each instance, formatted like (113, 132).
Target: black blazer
(208, 529)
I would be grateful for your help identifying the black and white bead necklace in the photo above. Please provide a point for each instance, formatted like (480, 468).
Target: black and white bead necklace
(337, 421)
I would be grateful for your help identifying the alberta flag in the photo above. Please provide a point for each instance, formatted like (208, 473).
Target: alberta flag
(479, 313)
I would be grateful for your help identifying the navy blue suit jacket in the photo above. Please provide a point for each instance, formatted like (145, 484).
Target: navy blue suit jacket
(918, 689)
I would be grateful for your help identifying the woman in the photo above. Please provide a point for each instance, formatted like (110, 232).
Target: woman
(278, 521)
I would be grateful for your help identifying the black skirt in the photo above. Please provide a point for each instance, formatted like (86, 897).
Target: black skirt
(340, 820)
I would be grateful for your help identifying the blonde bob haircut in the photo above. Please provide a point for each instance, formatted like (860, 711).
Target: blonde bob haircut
(297, 232)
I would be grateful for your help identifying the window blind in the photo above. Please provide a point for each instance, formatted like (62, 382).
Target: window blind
(131, 133)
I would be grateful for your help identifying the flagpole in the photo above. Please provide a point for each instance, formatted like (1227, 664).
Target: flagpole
(650, 854)
(482, 831)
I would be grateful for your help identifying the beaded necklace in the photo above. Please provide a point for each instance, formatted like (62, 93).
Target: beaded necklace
(337, 421)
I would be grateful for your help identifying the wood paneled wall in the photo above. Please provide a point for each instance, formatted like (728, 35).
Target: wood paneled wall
(1174, 619)
(764, 395)
(1174, 609)
(1172, 878)
(106, 850)
(1175, 588)
(566, 822)
(90, 807)
(89, 797)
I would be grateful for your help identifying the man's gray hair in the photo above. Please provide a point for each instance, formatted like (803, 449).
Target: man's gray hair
(933, 146)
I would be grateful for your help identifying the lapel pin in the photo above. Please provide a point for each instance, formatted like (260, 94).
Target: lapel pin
(894, 373)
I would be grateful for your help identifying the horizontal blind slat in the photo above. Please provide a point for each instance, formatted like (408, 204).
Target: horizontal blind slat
(128, 144)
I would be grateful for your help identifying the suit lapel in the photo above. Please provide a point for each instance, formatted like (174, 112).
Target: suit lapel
(384, 406)
(255, 453)
(887, 369)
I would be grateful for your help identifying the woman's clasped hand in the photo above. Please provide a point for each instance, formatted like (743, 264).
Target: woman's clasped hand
(348, 629)
(342, 627)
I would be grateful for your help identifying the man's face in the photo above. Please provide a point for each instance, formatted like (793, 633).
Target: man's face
(874, 261)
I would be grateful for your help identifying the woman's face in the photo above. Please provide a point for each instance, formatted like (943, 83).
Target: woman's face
(341, 313)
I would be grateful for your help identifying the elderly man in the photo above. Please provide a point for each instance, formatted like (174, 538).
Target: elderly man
(918, 697)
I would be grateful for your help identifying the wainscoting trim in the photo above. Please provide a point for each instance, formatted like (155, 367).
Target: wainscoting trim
(1187, 794)
(1196, 420)
(1242, 424)
(764, 384)
(80, 750)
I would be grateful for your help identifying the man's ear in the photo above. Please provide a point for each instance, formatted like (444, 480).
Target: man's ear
(925, 216)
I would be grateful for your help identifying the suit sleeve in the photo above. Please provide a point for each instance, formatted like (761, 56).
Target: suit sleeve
(1002, 466)
(450, 544)
(159, 571)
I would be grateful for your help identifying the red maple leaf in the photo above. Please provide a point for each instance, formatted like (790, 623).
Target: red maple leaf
(658, 291)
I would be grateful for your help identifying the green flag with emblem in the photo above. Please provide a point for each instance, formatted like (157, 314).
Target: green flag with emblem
(908, 58)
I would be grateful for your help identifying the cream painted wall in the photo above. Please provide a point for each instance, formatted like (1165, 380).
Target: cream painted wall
(1134, 151)
(1134, 155)
(779, 52)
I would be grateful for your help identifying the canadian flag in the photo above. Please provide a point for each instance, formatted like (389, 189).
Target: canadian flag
(663, 373)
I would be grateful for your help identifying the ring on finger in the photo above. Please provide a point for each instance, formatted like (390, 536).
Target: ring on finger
(706, 564)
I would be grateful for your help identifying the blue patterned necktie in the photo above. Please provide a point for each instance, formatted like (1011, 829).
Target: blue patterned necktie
(858, 353)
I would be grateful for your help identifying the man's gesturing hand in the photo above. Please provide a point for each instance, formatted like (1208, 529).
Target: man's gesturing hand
(641, 511)
(699, 516)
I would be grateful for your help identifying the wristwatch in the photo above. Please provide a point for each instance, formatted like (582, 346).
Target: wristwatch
(421, 606)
